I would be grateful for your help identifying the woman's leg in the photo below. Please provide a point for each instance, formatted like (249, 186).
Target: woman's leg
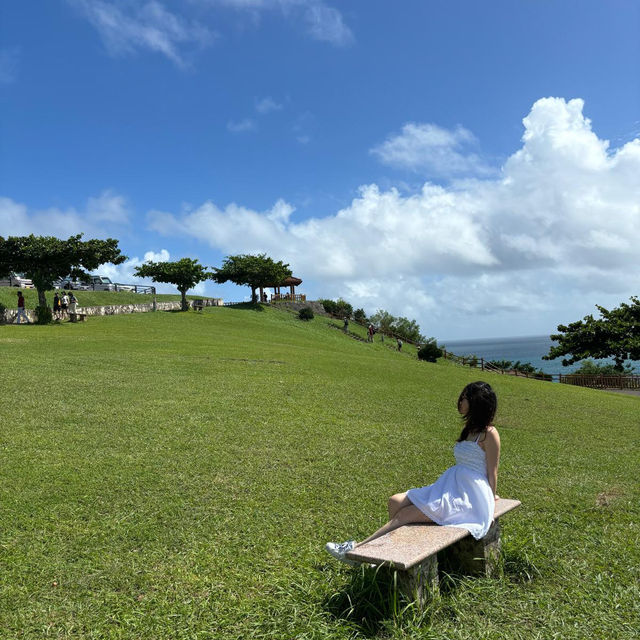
(397, 502)
(405, 515)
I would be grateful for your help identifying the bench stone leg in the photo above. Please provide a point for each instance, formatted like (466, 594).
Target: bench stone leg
(420, 583)
(476, 557)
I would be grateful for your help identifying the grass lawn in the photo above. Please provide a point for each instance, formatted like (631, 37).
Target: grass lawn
(9, 298)
(176, 475)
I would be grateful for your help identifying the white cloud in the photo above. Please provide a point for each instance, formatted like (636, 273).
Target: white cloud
(126, 28)
(267, 105)
(433, 151)
(162, 256)
(9, 59)
(242, 126)
(105, 214)
(321, 22)
(557, 231)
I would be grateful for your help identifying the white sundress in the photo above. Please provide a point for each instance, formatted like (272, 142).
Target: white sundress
(461, 496)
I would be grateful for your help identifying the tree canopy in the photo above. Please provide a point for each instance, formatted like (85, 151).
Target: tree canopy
(184, 274)
(253, 271)
(616, 335)
(403, 327)
(45, 259)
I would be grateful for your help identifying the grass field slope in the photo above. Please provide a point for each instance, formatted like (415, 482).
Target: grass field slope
(176, 475)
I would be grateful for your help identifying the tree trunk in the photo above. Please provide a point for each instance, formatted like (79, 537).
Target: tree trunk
(42, 300)
(253, 294)
(185, 304)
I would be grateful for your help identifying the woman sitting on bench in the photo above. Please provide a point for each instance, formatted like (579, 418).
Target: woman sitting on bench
(465, 494)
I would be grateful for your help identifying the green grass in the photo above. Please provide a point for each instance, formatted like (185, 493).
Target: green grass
(8, 297)
(176, 476)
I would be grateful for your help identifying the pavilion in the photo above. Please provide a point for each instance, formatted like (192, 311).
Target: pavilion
(291, 282)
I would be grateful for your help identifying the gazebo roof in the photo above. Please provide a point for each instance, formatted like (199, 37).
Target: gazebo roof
(291, 280)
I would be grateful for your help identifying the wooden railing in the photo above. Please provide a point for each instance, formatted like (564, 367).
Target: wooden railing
(288, 297)
(592, 381)
(601, 381)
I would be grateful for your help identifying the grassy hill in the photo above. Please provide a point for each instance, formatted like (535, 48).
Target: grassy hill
(176, 475)
(8, 297)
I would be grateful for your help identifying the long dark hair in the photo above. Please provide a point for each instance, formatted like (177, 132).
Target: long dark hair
(482, 408)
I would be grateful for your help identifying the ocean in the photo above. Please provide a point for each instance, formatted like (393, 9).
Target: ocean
(526, 349)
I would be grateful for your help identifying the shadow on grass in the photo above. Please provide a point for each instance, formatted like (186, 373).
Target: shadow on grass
(371, 602)
(518, 567)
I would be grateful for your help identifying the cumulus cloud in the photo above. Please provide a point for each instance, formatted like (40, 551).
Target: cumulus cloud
(105, 214)
(126, 28)
(559, 223)
(432, 151)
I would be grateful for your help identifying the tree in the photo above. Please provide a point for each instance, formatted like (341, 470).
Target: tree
(252, 271)
(45, 259)
(407, 329)
(383, 320)
(360, 316)
(185, 274)
(616, 334)
(402, 327)
(430, 351)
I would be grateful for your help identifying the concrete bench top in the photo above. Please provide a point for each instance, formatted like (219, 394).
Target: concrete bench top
(410, 545)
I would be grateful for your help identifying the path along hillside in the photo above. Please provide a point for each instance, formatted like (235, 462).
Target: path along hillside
(175, 475)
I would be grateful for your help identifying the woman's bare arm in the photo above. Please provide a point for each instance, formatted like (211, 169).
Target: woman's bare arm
(492, 449)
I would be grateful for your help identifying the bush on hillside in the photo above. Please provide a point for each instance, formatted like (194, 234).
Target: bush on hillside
(360, 316)
(338, 307)
(589, 367)
(306, 313)
(43, 315)
(430, 351)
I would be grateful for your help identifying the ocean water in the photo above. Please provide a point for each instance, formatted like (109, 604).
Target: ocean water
(526, 349)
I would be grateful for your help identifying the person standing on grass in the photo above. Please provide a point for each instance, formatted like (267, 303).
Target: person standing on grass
(21, 312)
(73, 302)
(399, 344)
(370, 333)
(56, 306)
(464, 495)
(64, 304)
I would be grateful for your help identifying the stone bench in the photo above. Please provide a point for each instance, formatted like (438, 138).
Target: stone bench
(198, 305)
(415, 550)
(77, 317)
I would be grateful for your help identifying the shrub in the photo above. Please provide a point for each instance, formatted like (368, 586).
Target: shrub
(43, 315)
(429, 351)
(306, 313)
(329, 306)
(2, 316)
(360, 316)
(507, 365)
(589, 367)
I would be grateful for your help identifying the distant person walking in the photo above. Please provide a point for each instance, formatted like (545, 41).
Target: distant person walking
(21, 312)
(399, 344)
(370, 333)
(346, 324)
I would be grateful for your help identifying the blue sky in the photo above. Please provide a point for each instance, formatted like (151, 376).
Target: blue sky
(475, 166)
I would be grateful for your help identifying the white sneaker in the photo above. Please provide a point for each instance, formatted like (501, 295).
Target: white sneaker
(339, 551)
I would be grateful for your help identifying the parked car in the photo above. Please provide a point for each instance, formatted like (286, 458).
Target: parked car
(16, 280)
(70, 283)
(101, 283)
